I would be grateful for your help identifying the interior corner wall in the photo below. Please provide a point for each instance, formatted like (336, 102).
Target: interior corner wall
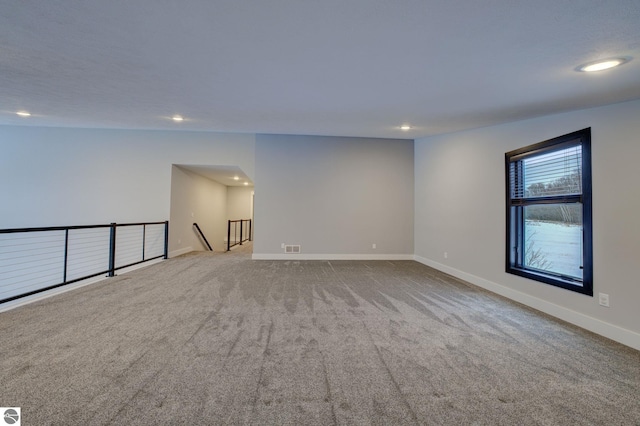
(239, 202)
(460, 209)
(333, 196)
(69, 176)
(196, 199)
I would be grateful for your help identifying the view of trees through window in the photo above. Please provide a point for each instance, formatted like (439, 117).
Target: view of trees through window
(553, 238)
(553, 232)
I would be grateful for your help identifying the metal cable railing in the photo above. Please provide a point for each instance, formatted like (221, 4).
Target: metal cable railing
(241, 232)
(33, 260)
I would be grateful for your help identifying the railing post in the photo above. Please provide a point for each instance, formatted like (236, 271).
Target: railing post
(241, 226)
(66, 254)
(229, 236)
(74, 269)
(250, 234)
(166, 239)
(144, 232)
(112, 250)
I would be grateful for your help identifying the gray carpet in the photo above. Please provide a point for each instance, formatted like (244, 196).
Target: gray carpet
(221, 339)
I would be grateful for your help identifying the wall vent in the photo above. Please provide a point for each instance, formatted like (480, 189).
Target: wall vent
(291, 249)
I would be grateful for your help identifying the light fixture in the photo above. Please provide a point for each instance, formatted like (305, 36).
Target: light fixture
(603, 64)
(405, 127)
(236, 178)
(246, 184)
(24, 113)
(177, 118)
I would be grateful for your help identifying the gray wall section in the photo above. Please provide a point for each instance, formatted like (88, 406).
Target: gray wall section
(460, 209)
(61, 176)
(333, 195)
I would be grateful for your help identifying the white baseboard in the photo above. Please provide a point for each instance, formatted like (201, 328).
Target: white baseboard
(179, 252)
(63, 289)
(610, 331)
(310, 256)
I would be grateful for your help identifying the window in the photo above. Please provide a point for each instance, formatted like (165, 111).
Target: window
(549, 235)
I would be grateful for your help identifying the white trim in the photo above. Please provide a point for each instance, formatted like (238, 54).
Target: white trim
(139, 266)
(613, 332)
(309, 256)
(7, 306)
(63, 289)
(180, 252)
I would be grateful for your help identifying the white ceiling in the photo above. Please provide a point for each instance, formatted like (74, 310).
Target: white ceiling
(325, 67)
(222, 174)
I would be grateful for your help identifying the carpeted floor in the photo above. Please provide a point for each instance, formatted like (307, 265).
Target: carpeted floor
(221, 339)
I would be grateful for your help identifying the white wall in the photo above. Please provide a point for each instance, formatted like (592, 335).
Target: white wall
(239, 202)
(334, 196)
(460, 209)
(196, 199)
(62, 176)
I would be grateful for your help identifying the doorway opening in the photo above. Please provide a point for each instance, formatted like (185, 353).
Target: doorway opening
(209, 196)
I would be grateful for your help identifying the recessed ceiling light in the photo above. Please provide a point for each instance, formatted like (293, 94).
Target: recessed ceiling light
(246, 183)
(236, 178)
(603, 64)
(405, 127)
(177, 118)
(24, 113)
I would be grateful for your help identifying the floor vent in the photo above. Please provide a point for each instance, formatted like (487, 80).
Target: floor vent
(292, 249)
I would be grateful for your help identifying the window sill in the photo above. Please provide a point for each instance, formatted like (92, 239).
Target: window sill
(554, 280)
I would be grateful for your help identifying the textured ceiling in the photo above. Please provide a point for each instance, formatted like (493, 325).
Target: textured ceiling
(330, 67)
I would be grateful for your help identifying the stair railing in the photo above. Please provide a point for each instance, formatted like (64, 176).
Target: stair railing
(202, 236)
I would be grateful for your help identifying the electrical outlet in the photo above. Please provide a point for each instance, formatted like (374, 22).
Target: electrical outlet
(446, 255)
(282, 245)
(603, 299)
(373, 245)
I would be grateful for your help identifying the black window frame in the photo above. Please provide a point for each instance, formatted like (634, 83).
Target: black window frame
(515, 244)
